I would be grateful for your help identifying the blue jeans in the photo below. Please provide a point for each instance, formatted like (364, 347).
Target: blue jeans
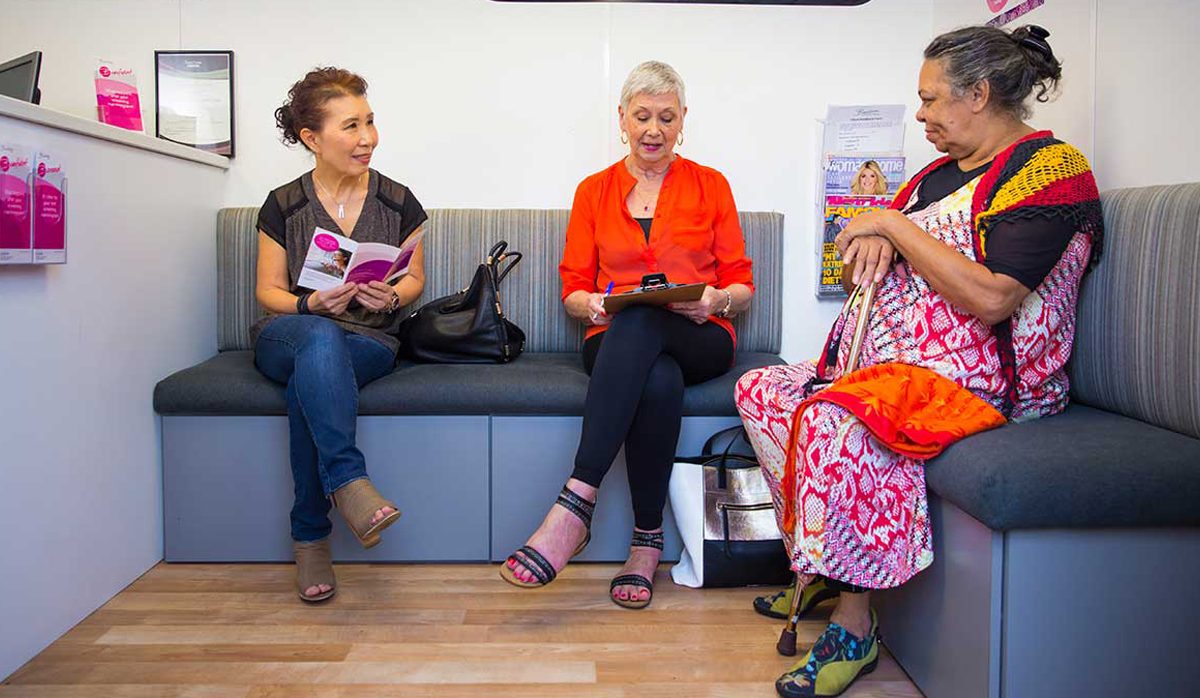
(323, 366)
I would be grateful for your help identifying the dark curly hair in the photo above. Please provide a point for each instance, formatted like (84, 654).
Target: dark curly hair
(305, 105)
(1014, 64)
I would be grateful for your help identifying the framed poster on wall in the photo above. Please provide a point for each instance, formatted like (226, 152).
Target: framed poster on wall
(193, 99)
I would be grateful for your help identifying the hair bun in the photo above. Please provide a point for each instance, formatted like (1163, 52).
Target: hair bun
(285, 121)
(1033, 37)
(1046, 69)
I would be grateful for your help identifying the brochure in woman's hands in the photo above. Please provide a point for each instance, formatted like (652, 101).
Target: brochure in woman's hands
(333, 260)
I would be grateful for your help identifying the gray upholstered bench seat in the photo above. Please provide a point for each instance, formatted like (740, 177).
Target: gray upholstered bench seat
(472, 454)
(536, 383)
(1085, 468)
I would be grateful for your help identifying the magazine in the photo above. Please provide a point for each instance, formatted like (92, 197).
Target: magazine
(333, 260)
(863, 175)
(839, 211)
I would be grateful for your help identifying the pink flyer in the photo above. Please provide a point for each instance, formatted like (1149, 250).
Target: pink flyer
(117, 97)
(49, 211)
(15, 224)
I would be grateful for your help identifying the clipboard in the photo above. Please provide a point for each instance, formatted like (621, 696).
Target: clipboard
(654, 296)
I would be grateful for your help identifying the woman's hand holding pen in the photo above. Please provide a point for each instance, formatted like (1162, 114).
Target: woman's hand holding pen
(588, 308)
(596, 314)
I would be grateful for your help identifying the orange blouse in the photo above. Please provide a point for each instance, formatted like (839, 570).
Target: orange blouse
(695, 236)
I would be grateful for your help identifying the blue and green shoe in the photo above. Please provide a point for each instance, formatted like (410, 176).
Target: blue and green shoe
(837, 659)
(778, 604)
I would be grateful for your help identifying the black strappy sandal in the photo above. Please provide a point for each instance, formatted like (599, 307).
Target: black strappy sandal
(541, 569)
(641, 539)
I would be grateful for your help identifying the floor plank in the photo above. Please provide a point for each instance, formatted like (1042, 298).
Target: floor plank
(238, 631)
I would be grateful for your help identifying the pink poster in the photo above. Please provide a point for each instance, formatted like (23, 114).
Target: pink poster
(1011, 10)
(49, 211)
(15, 225)
(117, 97)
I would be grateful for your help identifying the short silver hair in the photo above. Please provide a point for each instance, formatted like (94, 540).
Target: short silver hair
(653, 78)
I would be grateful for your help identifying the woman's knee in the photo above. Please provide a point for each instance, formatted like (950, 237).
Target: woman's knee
(755, 391)
(748, 379)
(746, 386)
(320, 333)
(665, 379)
(299, 329)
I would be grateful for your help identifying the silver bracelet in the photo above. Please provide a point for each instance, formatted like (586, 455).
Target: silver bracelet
(724, 312)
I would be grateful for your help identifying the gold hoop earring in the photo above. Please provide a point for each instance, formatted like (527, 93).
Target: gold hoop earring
(624, 138)
(679, 141)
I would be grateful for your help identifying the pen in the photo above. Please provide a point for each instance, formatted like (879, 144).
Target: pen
(607, 291)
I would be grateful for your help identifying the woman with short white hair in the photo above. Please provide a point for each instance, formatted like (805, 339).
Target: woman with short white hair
(651, 212)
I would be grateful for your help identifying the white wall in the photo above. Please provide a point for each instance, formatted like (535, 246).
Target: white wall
(1146, 96)
(485, 104)
(83, 345)
(1072, 34)
(480, 104)
(73, 34)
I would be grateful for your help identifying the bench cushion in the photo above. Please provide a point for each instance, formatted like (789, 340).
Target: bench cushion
(1084, 468)
(536, 383)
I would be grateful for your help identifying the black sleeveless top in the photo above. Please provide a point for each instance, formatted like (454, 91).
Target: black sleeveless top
(292, 213)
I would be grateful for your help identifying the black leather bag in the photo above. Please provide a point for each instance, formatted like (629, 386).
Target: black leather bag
(468, 327)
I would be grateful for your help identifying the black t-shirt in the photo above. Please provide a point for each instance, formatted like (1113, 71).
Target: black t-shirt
(645, 223)
(1026, 250)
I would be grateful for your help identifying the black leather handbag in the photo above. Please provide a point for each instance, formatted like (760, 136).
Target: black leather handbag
(468, 327)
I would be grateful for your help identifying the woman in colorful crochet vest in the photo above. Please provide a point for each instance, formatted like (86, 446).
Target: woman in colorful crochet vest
(977, 266)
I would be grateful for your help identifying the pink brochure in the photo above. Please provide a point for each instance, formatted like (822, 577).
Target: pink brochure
(333, 260)
(49, 211)
(16, 231)
(374, 261)
(117, 97)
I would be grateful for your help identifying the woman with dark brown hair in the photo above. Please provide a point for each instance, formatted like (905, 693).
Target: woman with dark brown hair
(325, 345)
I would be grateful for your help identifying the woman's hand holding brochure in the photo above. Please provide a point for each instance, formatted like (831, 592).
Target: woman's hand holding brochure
(376, 296)
(332, 301)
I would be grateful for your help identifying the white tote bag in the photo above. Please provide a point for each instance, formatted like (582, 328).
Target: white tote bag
(724, 515)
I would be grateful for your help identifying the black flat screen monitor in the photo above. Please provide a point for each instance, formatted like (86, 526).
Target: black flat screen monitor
(19, 78)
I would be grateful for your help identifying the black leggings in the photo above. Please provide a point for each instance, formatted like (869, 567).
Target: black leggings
(639, 367)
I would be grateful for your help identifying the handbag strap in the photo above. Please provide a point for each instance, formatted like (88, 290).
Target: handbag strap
(496, 258)
(735, 431)
(712, 440)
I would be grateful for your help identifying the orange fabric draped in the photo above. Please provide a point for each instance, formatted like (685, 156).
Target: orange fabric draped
(912, 410)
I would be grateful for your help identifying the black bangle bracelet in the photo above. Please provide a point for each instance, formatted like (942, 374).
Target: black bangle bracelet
(302, 304)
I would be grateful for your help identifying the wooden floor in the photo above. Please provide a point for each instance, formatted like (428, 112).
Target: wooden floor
(200, 631)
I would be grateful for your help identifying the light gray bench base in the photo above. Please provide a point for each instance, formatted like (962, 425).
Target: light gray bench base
(1096, 612)
(471, 488)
